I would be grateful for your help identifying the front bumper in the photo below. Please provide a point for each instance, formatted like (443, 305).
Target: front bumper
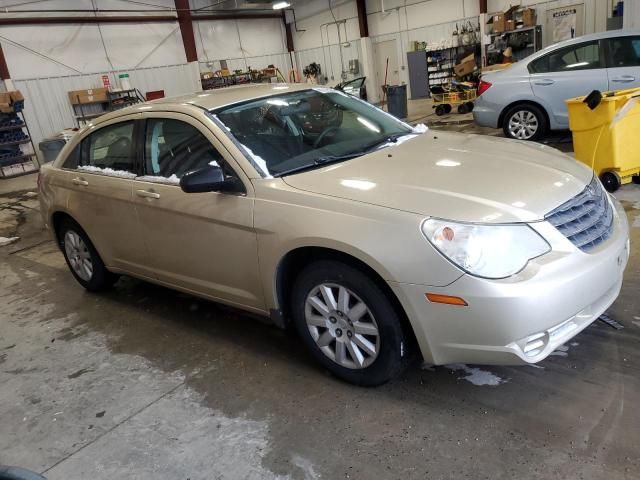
(521, 319)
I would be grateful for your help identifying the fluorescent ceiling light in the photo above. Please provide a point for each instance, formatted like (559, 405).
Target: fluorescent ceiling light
(280, 5)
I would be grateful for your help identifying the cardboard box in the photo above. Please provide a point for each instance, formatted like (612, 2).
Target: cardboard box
(529, 17)
(92, 95)
(511, 25)
(8, 99)
(499, 20)
(467, 66)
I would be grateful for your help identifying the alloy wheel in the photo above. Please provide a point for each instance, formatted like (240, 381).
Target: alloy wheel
(78, 255)
(342, 326)
(523, 125)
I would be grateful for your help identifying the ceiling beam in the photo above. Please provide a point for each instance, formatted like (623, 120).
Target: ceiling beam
(186, 29)
(4, 69)
(362, 18)
(55, 20)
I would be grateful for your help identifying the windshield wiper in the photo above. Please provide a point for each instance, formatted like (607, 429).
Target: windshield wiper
(322, 161)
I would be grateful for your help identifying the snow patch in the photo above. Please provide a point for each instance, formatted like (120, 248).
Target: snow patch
(476, 376)
(110, 172)
(420, 128)
(8, 240)
(172, 180)
(533, 365)
(561, 351)
(260, 162)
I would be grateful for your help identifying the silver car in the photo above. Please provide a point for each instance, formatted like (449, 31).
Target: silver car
(527, 99)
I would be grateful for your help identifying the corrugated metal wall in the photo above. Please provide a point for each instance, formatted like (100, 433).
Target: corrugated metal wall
(47, 107)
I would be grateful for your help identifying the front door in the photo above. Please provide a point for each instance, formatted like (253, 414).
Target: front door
(623, 62)
(566, 73)
(200, 242)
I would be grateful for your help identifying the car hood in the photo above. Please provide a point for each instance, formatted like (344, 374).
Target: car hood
(469, 178)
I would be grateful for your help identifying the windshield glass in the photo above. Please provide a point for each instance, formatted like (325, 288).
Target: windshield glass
(288, 133)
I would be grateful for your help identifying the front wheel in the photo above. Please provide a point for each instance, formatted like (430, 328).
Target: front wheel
(348, 324)
(524, 122)
(83, 259)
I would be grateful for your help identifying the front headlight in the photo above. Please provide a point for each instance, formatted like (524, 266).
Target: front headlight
(489, 251)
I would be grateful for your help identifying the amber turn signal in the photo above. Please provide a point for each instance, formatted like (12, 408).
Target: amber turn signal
(447, 299)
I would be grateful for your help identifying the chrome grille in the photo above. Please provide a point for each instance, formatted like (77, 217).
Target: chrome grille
(587, 219)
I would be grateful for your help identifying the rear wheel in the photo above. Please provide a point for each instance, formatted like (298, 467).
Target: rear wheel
(441, 110)
(524, 122)
(611, 181)
(348, 324)
(82, 258)
(447, 108)
(463, 108)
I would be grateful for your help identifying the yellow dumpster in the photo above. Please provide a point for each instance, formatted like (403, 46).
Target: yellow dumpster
(606, 135)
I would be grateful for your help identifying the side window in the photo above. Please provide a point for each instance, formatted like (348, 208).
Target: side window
(585, 56)
(623, 52)
(73, 159)
(109, 147)
(173, 148)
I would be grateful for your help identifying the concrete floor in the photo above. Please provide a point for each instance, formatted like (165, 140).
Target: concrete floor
(147, 383)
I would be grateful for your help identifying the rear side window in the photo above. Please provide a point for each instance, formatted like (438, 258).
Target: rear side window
(623, 52)
(110, 147)
(585, 56)
(173, 148)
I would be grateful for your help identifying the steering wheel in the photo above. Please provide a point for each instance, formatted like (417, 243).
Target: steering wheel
(323, 134)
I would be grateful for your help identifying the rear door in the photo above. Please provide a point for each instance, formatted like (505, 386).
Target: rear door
(98, 176)
(565, 73)
(623, 62)
(200, 242)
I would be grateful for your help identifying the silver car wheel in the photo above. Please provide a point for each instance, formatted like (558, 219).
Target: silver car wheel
(342, 326)
(78, 254)
(523, 125)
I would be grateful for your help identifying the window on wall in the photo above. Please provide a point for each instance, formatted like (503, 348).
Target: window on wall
(109, 148)
(173, 148)
(584, 56)
(623, 52)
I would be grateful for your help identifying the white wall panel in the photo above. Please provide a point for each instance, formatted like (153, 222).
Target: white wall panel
(47, 106)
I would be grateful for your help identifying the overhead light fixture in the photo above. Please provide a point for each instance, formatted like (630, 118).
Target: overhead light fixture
(280, 5)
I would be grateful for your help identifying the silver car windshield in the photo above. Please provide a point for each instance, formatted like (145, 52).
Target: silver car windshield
(290, 133)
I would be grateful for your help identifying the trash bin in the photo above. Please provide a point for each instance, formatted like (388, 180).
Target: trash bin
(50, 148)
(397, 100)
(605, 129)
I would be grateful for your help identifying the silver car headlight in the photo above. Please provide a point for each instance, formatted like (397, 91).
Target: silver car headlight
(489, 251)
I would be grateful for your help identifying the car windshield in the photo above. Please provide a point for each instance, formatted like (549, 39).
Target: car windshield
(289, 133)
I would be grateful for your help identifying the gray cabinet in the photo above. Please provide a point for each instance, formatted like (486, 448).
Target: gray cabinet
(418, 76)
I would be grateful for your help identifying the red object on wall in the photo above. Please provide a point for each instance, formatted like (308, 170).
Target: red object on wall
(156, 94)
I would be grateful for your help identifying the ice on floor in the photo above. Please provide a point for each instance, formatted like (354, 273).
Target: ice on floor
(476, 376)
(8, 240)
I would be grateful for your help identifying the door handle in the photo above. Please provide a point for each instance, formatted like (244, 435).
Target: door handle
(624, 79)
(147, 194)
(79, 181)
(544, 82)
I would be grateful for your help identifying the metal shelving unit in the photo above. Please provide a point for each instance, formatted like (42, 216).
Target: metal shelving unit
(440, 62)
(17, 152)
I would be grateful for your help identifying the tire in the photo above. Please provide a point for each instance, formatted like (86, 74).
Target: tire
(524, 122)
(441, 110)
(82, 258)
(447, 108)
(636, 179)
(463, 108)
(470, 106)
(385, 351)
(610, 181)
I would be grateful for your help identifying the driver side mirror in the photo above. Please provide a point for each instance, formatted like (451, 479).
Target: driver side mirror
(210, 179)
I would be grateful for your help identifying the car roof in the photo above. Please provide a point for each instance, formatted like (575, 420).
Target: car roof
(209, 99)
(585, 38)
